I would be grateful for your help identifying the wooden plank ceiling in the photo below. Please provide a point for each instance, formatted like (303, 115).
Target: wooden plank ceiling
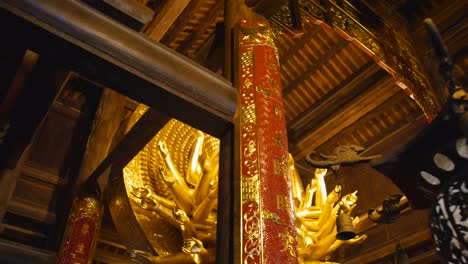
(334, 93)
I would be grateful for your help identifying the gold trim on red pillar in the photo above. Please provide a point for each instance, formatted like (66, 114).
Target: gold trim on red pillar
(268, 227)
(79, 239)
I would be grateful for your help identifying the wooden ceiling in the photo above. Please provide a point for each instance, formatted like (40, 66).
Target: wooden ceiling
(334, 94)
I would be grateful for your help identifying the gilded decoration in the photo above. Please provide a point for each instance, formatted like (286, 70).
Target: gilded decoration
(316, 213)
(390, 50)
(80, 236)
(250, 186)
(173, 188)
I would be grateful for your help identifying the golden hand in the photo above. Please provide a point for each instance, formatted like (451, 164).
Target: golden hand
(146, 202)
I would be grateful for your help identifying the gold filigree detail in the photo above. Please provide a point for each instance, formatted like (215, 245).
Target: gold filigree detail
(392, 50)
(257, 35)
(250, 189)
(248, 114)
(87, 207)
(252, 245)
(246, 61)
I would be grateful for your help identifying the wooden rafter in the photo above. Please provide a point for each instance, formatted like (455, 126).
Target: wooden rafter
(209, 20)
(316, 66)
(181, 21)
(165, 18)
(348, 88)
(347, 115)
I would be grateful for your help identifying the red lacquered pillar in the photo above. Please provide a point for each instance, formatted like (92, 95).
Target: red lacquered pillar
(268, 233)
(79, 240)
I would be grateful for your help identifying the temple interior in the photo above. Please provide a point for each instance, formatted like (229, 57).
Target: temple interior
(139, 104)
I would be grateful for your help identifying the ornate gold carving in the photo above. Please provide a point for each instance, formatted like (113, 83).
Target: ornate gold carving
(248, 114)
(252, 245)
(87, 207)
(246, 61)
(392, 51)
(258, 35)
(250, 187)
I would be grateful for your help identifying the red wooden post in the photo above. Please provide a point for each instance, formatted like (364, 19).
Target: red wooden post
(79, 240)
(268, 231)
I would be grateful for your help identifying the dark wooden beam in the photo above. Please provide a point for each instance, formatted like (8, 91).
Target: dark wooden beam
(225, 228)
(135, 139)
(12, 252)
(30, 108)
(128, 12)
(202, 27)
(266, 8)
(123, 60)
(109, 115)
(11, 58)
(348, 89)
(347, 115)
(12, 92)
(317, 65)
(181, 21)
(166, 15)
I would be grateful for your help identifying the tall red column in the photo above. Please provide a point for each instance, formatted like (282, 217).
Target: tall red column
(79, 240)
(268, 233)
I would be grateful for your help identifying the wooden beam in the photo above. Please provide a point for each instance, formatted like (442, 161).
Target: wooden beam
(350, 113)
(202, 27)
(131, 13)
(8, 180)
(226, 217)
(181, 21)
(12, 252)
(165, 18)
(335, 99)
(389, 247)
(13, 91)
(396, 140)
(124, 60)
(30, 108)
(31, 210)
(10, 60)
(430, 256)
(109, 115)
(266, 8)
(139, 135)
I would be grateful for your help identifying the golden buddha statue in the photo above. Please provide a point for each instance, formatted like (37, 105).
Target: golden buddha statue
(176, 177)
